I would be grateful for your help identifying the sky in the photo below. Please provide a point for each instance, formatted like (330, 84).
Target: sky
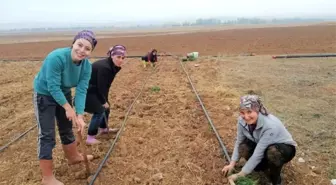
(76, 11)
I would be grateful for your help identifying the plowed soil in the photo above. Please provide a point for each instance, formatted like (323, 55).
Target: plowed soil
(282, 40)
(167, 139)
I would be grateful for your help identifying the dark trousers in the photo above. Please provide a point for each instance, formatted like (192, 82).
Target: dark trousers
(145, 58)
(276, 155)
(99, 114)
(98, 120)
(46, 110)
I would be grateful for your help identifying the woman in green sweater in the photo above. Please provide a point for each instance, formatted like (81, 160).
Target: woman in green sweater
(62, 69)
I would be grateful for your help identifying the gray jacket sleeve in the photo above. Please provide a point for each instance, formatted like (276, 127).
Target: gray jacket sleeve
(266, 139)
(239, 139)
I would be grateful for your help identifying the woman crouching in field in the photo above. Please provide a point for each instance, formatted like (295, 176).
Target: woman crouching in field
(150, 57)
(262, 140)
(61, 70)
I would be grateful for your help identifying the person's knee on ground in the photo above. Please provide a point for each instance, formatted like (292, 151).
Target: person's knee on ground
(275, 163)
(277, 155)
(144, 63)
(246, 149)
(274, 156)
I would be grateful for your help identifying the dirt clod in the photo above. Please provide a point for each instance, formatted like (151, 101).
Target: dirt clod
(157, 177)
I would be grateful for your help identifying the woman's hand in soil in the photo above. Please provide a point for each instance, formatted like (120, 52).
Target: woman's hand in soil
(228, 169)
(235, 176)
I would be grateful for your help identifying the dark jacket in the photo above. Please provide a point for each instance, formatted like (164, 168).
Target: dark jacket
(150, 57)
(102, 76)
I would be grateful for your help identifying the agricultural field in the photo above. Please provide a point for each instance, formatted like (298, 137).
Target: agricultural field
(167, 138)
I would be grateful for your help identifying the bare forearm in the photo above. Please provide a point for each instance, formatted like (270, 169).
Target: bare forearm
(67, 106)
(233, 163)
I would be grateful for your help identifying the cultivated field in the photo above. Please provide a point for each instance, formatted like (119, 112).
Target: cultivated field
(167, 139)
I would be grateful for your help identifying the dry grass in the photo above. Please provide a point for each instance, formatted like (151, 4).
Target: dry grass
(301, 92)
(167, 132)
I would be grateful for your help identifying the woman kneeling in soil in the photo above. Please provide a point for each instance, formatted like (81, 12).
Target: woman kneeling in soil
(61, 70)
(103, 74)
(262, 140)
(150, 57)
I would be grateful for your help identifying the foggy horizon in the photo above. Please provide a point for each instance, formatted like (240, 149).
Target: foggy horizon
(18, 14)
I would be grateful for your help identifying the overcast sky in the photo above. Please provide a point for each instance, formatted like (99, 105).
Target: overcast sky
(136, 10)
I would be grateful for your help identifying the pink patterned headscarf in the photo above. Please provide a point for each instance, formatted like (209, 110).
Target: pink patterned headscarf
(253, 102)
(87, 35)
(117, 50)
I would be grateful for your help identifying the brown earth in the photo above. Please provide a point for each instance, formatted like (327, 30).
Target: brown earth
(300, 39)
(167, 133)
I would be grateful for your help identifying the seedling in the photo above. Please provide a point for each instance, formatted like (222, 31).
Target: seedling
(155, 89)
(245, 181)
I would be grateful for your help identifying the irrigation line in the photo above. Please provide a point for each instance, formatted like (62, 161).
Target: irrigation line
(23, 134)
(94, 57)
(119, 132)
(206, 114)
(17, 138)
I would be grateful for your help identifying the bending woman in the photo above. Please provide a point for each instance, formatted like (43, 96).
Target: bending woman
(97, 101)
(61, 70)
(262, 140)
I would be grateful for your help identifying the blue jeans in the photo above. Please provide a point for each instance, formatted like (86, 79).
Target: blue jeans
(98, 120)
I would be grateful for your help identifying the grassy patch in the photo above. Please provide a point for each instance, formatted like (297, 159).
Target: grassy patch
(246, 181)
(155, 89)
(332, 172)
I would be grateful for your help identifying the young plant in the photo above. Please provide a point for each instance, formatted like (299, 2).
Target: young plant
(245, 181)
(155, 89)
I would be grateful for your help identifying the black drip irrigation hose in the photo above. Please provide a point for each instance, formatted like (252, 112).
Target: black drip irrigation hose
(21, 60)
(139, 56)
(306, 55)
(94, 57)
(17, 138)
(206, 114)
(31, 128)
(119, 133)
(126, 117)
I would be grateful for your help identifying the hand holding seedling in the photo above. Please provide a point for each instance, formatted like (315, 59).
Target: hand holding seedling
(227, 169)
(233, 177)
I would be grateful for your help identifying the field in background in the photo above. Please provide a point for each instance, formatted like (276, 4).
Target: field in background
(271, 40)
(167, 133)
(39, 36)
